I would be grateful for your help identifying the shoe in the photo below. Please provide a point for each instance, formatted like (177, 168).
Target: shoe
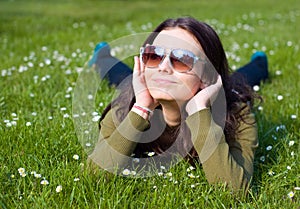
(100, 46)
(258, 54)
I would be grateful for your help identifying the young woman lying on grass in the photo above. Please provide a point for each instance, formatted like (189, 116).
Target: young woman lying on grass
(181, 103)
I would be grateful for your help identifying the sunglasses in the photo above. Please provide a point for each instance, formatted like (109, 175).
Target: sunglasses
(181, 60)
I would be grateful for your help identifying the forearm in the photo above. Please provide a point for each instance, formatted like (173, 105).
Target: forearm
(118, 141)
(221, 163)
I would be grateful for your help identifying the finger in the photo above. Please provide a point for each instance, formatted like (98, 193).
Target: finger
(136, 67)
(142, 66)
(219, 80)
(137, 74)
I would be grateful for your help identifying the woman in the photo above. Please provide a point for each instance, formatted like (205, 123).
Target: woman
(181, 101)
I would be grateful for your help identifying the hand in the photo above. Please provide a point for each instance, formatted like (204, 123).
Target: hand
(204, 98)
(142, 94)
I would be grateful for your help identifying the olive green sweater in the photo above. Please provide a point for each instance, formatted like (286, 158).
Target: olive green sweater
(230, 163)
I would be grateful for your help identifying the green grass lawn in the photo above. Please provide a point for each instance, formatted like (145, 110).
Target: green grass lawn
(45, 44)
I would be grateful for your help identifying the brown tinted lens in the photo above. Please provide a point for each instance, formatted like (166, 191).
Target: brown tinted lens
(152, 56)
(182, 60)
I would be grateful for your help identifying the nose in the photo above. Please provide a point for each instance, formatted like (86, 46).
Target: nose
(165, 65)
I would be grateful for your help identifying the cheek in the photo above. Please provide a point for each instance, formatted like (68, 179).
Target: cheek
(193, 85)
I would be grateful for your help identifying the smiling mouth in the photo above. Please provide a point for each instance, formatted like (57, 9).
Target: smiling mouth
(164, 81)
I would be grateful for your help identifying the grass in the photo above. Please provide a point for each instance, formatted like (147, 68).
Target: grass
(44, 44)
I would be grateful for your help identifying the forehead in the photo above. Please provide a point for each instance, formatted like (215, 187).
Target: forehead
(178, 38)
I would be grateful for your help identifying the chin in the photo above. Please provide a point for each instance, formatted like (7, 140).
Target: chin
(170, 96)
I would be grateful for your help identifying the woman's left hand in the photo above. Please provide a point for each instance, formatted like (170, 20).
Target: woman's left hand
(204, 98)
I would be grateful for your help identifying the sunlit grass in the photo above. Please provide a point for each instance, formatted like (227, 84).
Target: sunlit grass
(45, 45)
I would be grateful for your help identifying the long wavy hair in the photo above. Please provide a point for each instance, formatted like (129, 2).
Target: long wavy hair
(236, 90)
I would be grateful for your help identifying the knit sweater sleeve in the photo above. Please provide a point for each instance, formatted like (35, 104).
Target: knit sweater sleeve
(117, 141)
(232, 162)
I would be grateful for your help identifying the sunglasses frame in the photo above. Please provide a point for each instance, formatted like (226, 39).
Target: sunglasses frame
(167, 53)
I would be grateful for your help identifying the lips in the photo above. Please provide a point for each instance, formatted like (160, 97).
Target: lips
(163, 81)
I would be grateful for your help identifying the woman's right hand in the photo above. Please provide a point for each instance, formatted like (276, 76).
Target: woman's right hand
(142, 94)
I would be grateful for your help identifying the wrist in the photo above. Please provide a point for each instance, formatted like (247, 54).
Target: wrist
(144, 112)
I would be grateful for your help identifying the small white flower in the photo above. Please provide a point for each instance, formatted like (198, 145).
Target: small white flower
(297, 188)
(193, 186)
(289, 43)
(160, 173)
(44, 182)
(76, 157)
(293, 116)
(69, 89)
(291, 143)
(21, 170)
(279, 97)
(76, 179)
(30, 64)
(271, 173)
(68, 72)
(256, 88)
(262, 158)
(8, 124)
(50, 118)
(191, 175)
(37, 175)
(34, 114)
(136, 160)
(133, 173)
(291, 194)
(126, 172)
(154, 187)
(289, 167)
(88, 144)
(28, 124)
(278, 72)
(292, 153)
(47, 61)
(269, 148)
(162, 167)
(281, 127)
(63, 108)
(90, 97)
(169, 174)
(191, 168)
(58, 188)
(75, 116)
(96, 118)
(95, 113)
(150, 154)
(66, 115)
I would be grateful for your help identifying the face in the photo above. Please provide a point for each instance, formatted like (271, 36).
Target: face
(163, 81)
